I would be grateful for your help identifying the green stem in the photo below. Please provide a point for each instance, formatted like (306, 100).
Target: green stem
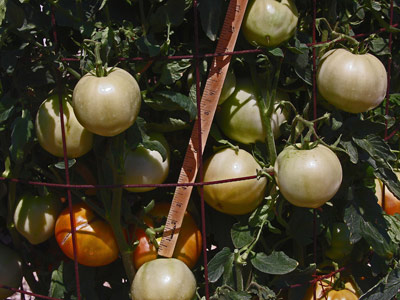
(143, 17)
(238, 272)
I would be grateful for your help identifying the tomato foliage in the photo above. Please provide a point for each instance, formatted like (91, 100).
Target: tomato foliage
(261, 247)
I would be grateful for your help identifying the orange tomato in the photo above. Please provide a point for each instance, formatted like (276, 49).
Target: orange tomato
(392, 204)
(325, 291)
(189, 244)
(95, 241)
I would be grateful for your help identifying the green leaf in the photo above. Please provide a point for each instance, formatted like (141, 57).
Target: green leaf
(61, 166)
(148, 45)
(241, 235)
(210, 16)
(173, 71)
(277, 263)
(218, 264)
(169, 100)
(7, 107)
(155, 145)
(3, 8)
(302, 67)
(233, 295)
(169, 125)
(386, 288)
(351, 150)
(21, 134)
(172, 12)
(57, 287)
(276, 52)
(384, 172)
(394, 227)
(375, 146)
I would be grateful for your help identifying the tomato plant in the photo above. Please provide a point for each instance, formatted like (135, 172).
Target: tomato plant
(96, 245)
(189, 245)
(392, 204)
(79, 141)
(269, 22)
(145, 166)
(236, 198)
(299, 171)
(164, 278)
(352, 82)
(240, 117)
(10, 270)
(35, 216)
(107, 105)
(340, 246)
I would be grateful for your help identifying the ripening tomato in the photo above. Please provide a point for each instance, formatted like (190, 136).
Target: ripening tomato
(79, 141)
(392, 204)
(95, 241)
(10, 270)
(340, 245)
(145, 166)
(189, 244)
(35, 216)
(354, 83)
(269, 22)
(325, 291)
(107, 105)
(240, 118)
(238, 197)
(164, 279)
(308, 178)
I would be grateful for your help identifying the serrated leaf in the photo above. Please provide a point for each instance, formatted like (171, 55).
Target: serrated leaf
(173, 71)
(57, 287)
(210, 17)
(277, 263)
(351, 150)
(375, 146)
(394, 227)
(169, 100)
(233, 295)
(217, 264)
(241, 235)
(386, 288)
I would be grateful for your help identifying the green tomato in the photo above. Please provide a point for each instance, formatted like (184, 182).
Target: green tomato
(35, 217)
(107, 105)
(163, 279)
(240, 117)
(340, 242)
(308, 177)
(144, 166)
(10, 270)
(229, 86)
(354, 83)
(237, 197)
(269, 23)
(79, 141)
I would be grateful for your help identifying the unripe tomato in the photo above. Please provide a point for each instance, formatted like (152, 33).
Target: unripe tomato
(354, 83)
(78, 140)
(235, 198)
(392, 204)
(340, 246)
(107, 105)
(35, 217)
(240, 117)
(163, 279)
(324, 291)
(10, 270)
(144, 166)
(229, 86)
(308, 178)
(189, 244)
(95, 241)
(269, 22)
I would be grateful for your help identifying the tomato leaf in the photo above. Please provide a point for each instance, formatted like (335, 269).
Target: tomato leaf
(174, 71)
(3, 4)
(375, 146)
(386, 288)
(169, 100)
(298, 276)
(57, 287)
(351, 150)
(210, 16)
(148, 45)
(220, 263)
(21, 135)
(277, 263)
(241, 234)
(172, 12)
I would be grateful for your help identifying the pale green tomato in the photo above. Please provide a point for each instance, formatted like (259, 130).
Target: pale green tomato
(35, 217)
(107, 105)
(240, 118)
(144, 166)
(10, 270)
(238, 197)
(79, 141)
(354, 83)
(308, 178)
(229, 86)
(163, 279)
(269, 22)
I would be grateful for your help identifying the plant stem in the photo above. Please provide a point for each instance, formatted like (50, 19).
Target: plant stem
(238, 271)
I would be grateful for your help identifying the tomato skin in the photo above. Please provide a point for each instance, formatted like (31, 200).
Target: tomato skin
(240, 117)
(229, 86)
(96, 244)
(10, 270)
(354, 83)
(79, 141)
(144, 166)
(107, 105)
(269, 22)
(392, 204)
(308, 178)
(324, 290)
(187, 249)
(340, 242)
(35, 217)
(234, 198)
(163, 279)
